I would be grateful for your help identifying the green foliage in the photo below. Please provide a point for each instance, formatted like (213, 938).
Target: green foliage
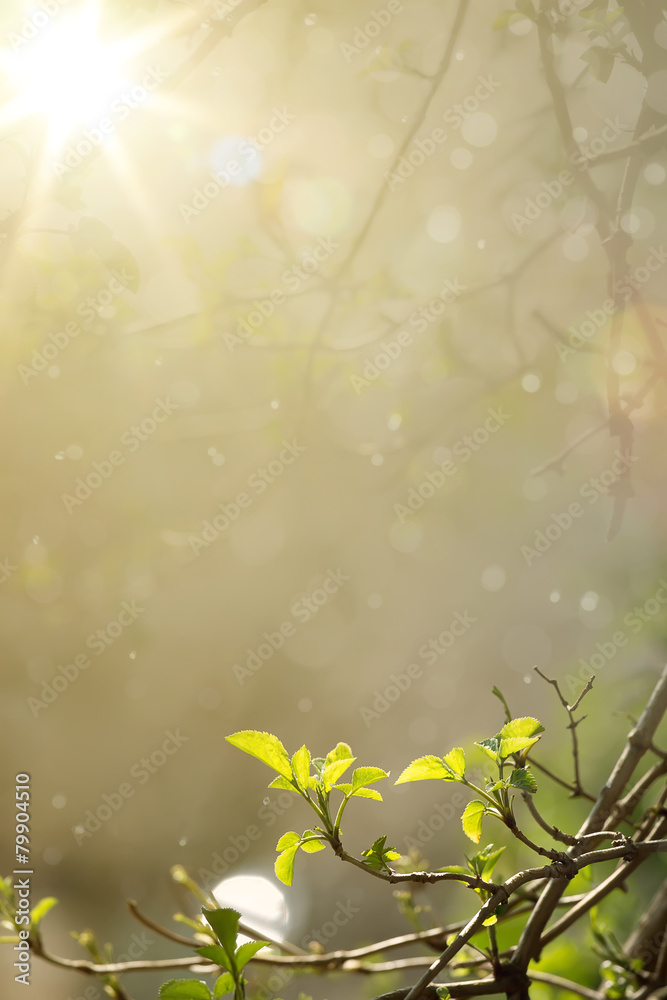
(314, 778)
(378, 855)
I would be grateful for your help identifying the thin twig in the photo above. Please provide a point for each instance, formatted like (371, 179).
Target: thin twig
(572, 726)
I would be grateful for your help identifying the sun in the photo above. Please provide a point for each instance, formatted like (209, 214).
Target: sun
(66, 74)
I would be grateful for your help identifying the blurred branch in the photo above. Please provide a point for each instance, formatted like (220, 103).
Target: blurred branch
(572, 726)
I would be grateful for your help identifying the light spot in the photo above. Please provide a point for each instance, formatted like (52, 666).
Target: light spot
(493, 578)
(374, 601)
(444, 224)
(377, 459)
(589, 601)
(260, 902)
(531, 382)
(624, 363)
(554, 596)
(654, 172)
(74, 451)
(305, 705)
(579, 134)
(575, 248)
(479, 129)
(534, 488)
(58, 801)
(461, 158)
(405, 537)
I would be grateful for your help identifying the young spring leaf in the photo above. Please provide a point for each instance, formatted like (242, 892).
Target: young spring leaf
(265, 747)
(490, 747)
(247, 951)
(454, 869)
(284, 865)
(362, 776)
(518, 735)
(522, 779)
(472, 820)
(378, 855)
(335, 770)
(301, 766)
(456, 760)
(225, 924)
(224, 984)
(311, 846)
(185, 989)
(526, 726)
(216, 953)
(424, 768)
(283, 783)
(42, 908)
(359, 793)
(342, 751)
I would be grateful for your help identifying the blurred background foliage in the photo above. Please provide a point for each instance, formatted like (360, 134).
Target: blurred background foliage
(120, 229)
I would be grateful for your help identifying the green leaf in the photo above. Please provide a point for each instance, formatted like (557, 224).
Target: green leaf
(490, 747)
(362, 776)
(225, 924)
(456, 760)
(185, 989)
(525, 726)
(281, 782)
(42, 908)
(284, 865)
(223, 985)
(289, 839)
(216, 953)
(523, 779)
(301, 766)
(488, 859)
(519, 734)
(313, 846)
(424, 768)
(472, 820)
(265, 747)
(359, 793)
(454, 869)
(247, 951)
(442, 992)
(342, 751)
(335, 770)
(378, 855)
(515, 744)
(601, 62)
